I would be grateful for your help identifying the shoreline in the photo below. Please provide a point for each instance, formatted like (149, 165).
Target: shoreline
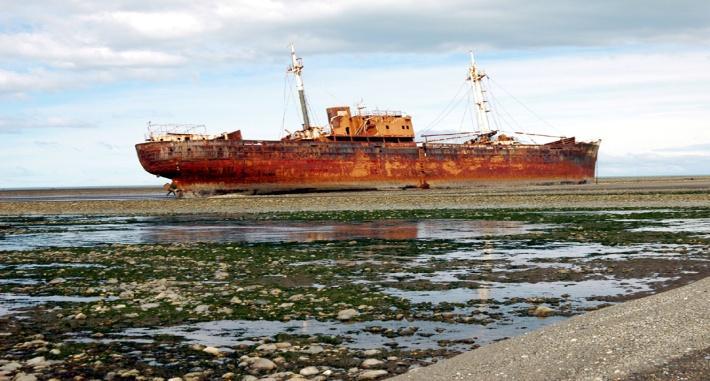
(633, 193)
(638, 339)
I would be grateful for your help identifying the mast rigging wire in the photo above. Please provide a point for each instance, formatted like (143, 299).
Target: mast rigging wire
(526, 107)
(446, 110)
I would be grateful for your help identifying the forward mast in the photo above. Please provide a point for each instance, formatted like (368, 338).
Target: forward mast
(296, 68)
(476, 75)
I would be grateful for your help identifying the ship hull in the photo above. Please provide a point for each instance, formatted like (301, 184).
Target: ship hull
(227, 166)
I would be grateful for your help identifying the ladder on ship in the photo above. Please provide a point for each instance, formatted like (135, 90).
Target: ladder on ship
(421, 169)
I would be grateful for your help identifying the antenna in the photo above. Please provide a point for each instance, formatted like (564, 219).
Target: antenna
(296, 68)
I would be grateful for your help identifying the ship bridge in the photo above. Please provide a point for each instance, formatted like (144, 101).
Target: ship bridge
(390, 125)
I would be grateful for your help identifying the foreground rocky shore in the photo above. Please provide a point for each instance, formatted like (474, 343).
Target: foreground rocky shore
(661, 337)
(349, 295)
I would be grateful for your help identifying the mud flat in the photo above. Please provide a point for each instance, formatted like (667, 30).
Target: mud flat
(612, 193)
(665, 336)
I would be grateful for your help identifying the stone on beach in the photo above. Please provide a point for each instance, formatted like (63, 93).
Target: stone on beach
(25, 377)
(262, 364)
(313, 349)
(202, 309)
(10, 367)
(542, 311)
(371, 363)
(372, 374)
(347, 314)
(213, 351)
(309, 371)
(266, 347)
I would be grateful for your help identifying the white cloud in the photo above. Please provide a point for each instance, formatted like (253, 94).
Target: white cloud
(124, 35)
(23, 123)
(156, 25)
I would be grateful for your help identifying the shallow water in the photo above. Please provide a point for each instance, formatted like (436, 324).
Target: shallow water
(701, 226)
(498, 291)
(13, 303)
(229, 333)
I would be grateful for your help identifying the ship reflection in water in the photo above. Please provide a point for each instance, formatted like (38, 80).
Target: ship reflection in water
(189, 230)
(332, 231)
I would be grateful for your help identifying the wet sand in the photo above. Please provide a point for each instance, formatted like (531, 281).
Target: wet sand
(651, 192)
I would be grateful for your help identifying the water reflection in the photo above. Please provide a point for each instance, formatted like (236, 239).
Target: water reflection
(188, 230)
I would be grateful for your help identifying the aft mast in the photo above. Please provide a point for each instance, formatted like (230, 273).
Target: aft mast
(296, 68)
(475, 76)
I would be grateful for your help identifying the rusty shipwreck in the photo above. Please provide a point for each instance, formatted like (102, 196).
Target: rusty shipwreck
(361, 150)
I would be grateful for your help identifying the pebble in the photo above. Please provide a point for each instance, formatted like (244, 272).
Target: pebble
(309, 371)
(542, 311)
(249, 378)
(235, 300)
(371, 352)
(212, 350)
(130, 373)
(37, 362)
(25, 377)
(57, 281)
(371, 363)
(347, 314)
(202, 308)
(279, 360)
(10, 367)
(262, 364)
(371, 374)
(79, 316)
(313, 349)
(175, 379)
(266, 347)
(193, 376)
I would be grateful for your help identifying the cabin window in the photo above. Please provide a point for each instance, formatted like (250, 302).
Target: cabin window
(187, 139)
(403, 127)
(387, 127)
(347, 130)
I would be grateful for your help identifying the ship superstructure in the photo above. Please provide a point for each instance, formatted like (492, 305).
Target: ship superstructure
(362, 150)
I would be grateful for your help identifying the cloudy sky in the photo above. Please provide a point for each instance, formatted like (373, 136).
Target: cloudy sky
(79, 79)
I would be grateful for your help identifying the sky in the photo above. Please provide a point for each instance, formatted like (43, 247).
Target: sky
(80, 80)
